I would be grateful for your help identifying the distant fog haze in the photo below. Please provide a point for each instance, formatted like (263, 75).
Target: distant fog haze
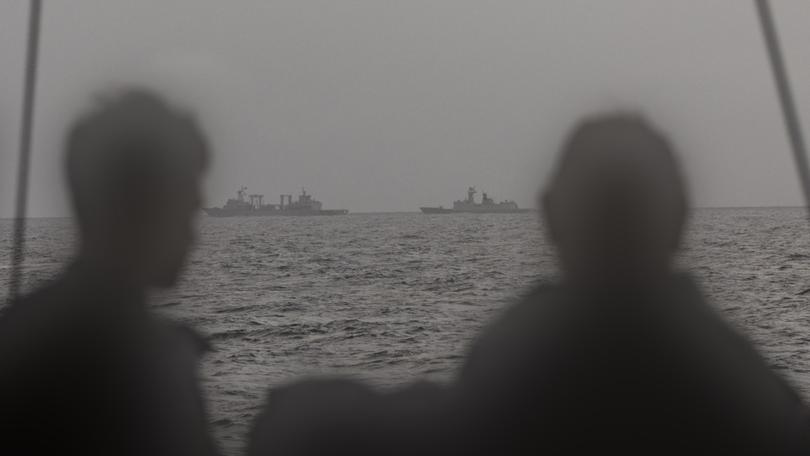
(388, 106)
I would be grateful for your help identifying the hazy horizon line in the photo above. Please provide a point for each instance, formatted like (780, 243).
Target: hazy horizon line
(418, 212)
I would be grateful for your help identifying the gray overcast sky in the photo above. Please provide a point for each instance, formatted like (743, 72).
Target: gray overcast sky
(389, 105)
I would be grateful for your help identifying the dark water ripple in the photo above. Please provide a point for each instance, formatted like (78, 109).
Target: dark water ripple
(392, 297)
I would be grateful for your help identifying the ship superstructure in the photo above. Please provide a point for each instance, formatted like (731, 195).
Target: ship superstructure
(486, 206)
(253, 205)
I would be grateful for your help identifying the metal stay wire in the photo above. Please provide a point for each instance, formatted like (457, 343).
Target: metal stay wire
(26, 130)
(789, 112)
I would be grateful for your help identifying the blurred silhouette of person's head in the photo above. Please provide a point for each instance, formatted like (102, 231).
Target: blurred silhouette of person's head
(624, 352)
(616, 205)
(134, 165)
(85, 366)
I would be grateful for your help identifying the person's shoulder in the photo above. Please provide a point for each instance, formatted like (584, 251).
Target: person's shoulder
(345, 416)
(187, 341)
(318, 393)
(539, 300)
(517, 333)
(729, 357)
(539, 306)
(315, 415)
(37, 344)
(32, 316)
(33, 303)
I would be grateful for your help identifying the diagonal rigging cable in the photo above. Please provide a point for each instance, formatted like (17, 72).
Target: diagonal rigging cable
(789, 112)
(24, 164)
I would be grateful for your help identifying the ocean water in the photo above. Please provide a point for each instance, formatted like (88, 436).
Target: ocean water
(394, 297)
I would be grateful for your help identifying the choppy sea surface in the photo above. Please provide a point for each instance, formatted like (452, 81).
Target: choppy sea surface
(395, 297)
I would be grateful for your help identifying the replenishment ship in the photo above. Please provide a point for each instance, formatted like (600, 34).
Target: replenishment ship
(245, 205)
(486, 206)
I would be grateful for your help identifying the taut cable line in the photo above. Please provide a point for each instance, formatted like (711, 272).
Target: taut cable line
(24, 165)
(789, 112)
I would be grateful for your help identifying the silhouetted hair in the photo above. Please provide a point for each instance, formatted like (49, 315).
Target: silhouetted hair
(625, 135)
(132, 147)
(628, 141)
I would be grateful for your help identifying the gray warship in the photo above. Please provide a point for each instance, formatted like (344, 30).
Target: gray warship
(245, 205)
(486, 206)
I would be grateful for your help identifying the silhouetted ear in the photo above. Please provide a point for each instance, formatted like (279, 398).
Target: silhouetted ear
(547, 202)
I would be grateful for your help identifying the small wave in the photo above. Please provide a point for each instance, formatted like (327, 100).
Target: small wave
(229, 334)
(237, 309)
(223, 422)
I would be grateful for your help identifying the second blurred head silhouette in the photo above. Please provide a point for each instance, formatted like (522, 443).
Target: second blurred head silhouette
(85, 368)
(623, 354)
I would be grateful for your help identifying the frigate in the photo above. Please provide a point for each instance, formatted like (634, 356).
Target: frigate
(486, 206)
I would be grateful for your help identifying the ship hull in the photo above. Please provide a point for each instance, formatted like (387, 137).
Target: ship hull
(436, 210)
(220, 212)
(493, 211)
(441, 210)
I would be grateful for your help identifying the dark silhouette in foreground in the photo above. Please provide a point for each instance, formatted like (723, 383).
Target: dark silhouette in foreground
(623, 354)
(85, 368)
(340, 416)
